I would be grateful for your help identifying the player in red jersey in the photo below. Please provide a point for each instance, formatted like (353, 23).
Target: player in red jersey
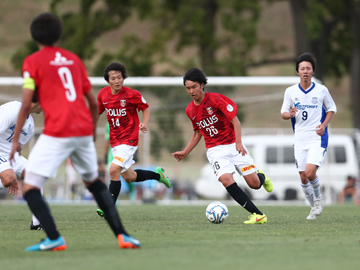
(213, 117)
(122, 105)
(59, 80)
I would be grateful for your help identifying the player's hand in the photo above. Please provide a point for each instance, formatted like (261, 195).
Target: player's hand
(15, 148)
(293, 111)
(143, 128)
(13, 189)
(179, 155)
(320, 129)
(240, 148)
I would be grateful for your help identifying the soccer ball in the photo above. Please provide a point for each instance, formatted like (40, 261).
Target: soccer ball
(216, 212)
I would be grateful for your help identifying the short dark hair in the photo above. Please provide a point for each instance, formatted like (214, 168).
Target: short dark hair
(306, 57)
(195, 75)
(116, 67)
(46, 29)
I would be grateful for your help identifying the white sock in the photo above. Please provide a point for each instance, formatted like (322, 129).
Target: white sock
(316, 187)
(309, 193)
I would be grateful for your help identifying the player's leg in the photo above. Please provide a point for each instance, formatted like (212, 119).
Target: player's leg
(35, 223)
(7, 175)
(301, 154)
(309, 194)
(124, 157)
(222, 158)
(115, 182)
(84, 160)
(253, 177)
(138, 175)
(19, 168)
(242, 198)
(314, 161)
(41, 210)
(7, 178)
(44, 160)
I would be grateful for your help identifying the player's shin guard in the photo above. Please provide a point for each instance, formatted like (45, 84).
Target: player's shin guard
(309, 193)
(106, 203)
(261, 178)
(242, 198)
(114, 188)
(41, 210)
(316, 187)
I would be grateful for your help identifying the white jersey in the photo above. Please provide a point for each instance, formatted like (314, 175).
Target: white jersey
(9, 113)
(312, 106)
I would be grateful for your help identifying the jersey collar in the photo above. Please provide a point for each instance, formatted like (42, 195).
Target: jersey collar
(308, 91)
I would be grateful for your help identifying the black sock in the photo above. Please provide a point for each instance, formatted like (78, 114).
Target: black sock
(261, 178)
(106, 203)
(114, 188)
(143, 175)
(41, 210)
(242, 198)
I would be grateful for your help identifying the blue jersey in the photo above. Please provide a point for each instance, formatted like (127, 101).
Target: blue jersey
(312, 104)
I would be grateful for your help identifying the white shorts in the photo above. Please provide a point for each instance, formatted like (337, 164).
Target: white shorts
(50, 152)
(18, 165)
(124, 156)
(225, 159)
(314, 154)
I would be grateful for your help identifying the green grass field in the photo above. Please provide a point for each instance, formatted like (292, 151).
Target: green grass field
(180, 237)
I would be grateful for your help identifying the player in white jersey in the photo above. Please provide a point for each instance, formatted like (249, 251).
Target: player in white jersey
(310, 107)
(9, 173)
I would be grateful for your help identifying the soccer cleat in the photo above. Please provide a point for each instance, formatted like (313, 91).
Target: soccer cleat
(47, 244)
(256, 219)
(268, 185)
(163, 179)
(312, 214)
(318, 206)
(100, 212)
(36, 227)
(127, 241)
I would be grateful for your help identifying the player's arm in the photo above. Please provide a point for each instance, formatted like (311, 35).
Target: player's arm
(287, 110)
(90, 96)
(320, 129)
(238, 142)
(179, 155)
(23, 114)
(146, 116)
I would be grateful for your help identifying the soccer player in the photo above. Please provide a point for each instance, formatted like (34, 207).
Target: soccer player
(109, 158)
(310, 107)
(121, 105)
(10, 173)
(60, 82)
(213, 117)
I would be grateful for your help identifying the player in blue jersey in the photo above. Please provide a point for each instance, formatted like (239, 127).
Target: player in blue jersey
(9, 173)
(310, 107)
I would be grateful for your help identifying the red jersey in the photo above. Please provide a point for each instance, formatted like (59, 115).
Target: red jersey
(122, 114)
(213, 119)
(61, 81)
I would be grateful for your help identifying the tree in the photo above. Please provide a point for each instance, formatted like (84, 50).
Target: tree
(330, 29)
(82, 28)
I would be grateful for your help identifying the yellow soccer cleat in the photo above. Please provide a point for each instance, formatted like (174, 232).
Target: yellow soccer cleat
(268, 185)
(256, 219)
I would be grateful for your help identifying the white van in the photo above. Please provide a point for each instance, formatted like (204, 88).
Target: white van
(274, 154)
